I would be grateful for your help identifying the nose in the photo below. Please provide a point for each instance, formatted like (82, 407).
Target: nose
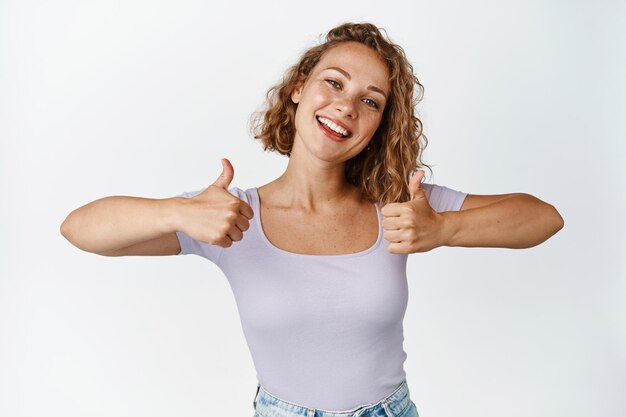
(346, 106)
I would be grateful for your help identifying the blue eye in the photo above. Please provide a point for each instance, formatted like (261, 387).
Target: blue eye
(373, 103)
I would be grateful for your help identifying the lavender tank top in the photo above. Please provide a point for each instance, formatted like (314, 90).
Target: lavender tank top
(324, 331)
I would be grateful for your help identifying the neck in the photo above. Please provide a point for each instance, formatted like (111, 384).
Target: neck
(316, 186)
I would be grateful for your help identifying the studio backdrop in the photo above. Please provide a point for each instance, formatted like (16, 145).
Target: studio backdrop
(143, 98)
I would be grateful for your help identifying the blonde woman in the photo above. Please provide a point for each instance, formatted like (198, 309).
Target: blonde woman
(317, 258)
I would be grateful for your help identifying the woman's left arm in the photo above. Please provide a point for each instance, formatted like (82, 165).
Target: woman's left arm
(513, 221)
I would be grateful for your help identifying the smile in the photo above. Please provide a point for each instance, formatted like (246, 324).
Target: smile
(332, 130)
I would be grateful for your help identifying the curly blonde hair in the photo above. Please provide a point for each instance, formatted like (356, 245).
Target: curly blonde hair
(382, 169)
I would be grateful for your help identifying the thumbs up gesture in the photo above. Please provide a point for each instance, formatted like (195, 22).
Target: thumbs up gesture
(412, 226)
(216, 216)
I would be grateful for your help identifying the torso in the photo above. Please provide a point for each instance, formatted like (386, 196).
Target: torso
(346, 230)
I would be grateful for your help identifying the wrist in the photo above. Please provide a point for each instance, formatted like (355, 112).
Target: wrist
(171, 213)
(451, 222)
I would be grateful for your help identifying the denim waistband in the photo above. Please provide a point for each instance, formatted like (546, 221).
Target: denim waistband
(393, 405)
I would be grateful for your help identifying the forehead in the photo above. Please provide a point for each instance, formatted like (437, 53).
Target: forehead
(359, 60)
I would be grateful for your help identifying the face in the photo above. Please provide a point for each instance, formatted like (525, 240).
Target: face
(341, 103)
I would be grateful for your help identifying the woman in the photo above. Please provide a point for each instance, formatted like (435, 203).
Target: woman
(320, 277)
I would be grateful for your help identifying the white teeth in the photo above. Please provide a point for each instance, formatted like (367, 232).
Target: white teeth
(333, 126)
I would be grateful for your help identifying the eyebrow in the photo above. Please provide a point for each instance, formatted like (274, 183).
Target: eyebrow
(347, 75)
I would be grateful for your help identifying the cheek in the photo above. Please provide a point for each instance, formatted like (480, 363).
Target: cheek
(313, 99)
(318, 98)
(373, 124)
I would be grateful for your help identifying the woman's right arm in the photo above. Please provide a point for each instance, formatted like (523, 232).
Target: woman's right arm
(119, 225)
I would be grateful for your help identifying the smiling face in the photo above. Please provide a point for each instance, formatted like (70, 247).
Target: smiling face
(341, 103)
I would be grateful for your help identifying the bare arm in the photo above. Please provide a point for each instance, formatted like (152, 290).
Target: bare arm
(110, 224)
(514, 221)
(122, 226)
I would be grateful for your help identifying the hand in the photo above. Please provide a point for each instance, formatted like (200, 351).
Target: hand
(412, 226)
(216, 216)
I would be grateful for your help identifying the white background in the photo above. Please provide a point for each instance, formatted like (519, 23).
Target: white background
(143, 98)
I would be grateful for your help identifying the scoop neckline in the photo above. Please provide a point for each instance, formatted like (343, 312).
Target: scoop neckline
(257, 219)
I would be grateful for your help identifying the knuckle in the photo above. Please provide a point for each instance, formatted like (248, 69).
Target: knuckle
(223, 230)
(214, 240)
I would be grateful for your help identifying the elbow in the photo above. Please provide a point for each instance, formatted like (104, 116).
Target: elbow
(64, 229)
(557, 220)
(551, 220)
(561, 223)
(68, 230)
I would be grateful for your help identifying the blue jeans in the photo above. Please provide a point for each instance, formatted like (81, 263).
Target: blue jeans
(396, 404)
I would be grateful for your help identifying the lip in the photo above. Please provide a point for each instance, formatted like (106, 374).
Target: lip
(337, 122)
(329, 135)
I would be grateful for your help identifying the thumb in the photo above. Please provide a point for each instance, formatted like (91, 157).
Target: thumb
(415, 183)
(223, 181)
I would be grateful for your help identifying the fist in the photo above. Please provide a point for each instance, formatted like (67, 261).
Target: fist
(216, 216)
(412, 226)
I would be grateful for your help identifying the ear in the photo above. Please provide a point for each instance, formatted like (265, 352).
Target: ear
(295, 95)
(297, 92)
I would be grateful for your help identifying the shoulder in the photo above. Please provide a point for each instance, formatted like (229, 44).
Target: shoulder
(442, 198)
(246, 195)
(435, 190)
